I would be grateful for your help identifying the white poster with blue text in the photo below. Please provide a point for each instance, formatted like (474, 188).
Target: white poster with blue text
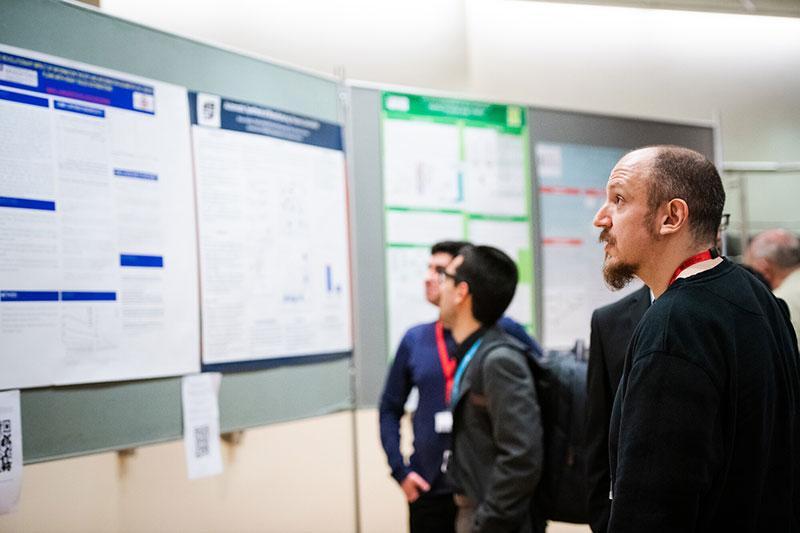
(274, 252)
(98, 261)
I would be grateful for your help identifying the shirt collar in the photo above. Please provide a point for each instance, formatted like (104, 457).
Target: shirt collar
(464, 347)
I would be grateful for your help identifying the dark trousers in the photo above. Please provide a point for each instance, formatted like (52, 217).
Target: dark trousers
(433, 514)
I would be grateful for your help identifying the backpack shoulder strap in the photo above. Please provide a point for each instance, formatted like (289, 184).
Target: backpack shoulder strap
(477, 363)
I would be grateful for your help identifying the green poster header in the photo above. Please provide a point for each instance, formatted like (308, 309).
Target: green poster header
(510, 118)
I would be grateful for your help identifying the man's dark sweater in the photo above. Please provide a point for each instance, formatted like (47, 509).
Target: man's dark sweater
(705, 433)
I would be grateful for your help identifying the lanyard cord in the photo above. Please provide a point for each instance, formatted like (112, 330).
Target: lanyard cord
(462, 366)
(699, 258)
(448, 363)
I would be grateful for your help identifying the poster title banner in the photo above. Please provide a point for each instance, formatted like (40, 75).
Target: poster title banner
(218, 112)
(508, 118)
(29, 74)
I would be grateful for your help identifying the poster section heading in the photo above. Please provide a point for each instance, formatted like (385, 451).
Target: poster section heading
(33, 75)
(217, 112)
(506, 118)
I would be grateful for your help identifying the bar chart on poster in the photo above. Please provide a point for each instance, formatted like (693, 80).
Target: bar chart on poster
(452, 170)
(273, 234)
(97, 239)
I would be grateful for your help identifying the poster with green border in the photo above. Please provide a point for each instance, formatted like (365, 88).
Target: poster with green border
(452, 170)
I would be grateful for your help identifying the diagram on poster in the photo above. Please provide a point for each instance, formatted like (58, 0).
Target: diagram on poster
(272, 213)
(98, 260)
(452, 170)
(572, 181)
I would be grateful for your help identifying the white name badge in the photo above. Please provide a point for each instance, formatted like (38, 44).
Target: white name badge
(443, 422)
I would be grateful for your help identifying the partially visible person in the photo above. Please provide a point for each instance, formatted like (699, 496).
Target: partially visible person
(612, 329)
(424, 360)
(705, 429)
(497, 432)
(775, 254)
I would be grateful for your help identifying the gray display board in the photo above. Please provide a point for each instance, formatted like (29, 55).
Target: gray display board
(549, 125)
(369, 266)
(69, 421)
(546, 126)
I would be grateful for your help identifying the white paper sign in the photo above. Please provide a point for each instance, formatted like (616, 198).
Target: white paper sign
(10, 451)
(201, 424)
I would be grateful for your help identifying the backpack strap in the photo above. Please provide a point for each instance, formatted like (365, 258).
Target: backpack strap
(477, 362)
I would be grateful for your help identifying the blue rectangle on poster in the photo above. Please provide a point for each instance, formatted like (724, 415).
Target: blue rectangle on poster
(27, 203)
(147, 261)
(28, 296)
(75, 296)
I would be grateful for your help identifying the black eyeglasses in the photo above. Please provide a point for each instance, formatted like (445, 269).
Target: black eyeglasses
(725, 222)
(443, 275)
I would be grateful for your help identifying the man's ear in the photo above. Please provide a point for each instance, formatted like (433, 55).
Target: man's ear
(673, 216)
(462, 291)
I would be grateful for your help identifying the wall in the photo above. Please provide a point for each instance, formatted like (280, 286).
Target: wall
(743, 71)
(283, 478)
(652, 63)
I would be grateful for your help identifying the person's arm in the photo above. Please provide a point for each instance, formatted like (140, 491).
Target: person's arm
(598, 414)
(395, 392)
(517, 435)
(669, 445)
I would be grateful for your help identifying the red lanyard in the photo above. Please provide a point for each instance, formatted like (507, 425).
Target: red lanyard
(702, 256)
(448, 364)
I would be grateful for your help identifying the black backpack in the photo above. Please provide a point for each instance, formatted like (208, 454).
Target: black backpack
(560, 378)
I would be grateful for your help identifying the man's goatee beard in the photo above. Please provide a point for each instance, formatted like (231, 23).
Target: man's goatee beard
(617, 276)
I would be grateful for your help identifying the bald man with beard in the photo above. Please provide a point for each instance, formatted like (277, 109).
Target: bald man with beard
(705, 429)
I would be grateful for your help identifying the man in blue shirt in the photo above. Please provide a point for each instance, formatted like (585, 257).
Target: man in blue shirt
(424, 360)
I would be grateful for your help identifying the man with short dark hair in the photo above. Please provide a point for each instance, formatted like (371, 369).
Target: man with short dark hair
(424, 360)
(705, 434)
(497, 431)
(775, 254)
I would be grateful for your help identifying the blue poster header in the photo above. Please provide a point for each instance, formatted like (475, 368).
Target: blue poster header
(208, 110)
(146, 261)
(138, 174)
(27, 203)
(28, 296)
(54, 296)
(23, 98)
(73, 296)
(80, 109)
(48, 78)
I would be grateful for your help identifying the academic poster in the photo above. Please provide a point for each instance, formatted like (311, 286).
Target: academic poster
(572, 181)
(98, 264)
(272, 213)
(452, 170)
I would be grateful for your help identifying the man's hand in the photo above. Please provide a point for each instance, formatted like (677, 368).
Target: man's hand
(412, 485)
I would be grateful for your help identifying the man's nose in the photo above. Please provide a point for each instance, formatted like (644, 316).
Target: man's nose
(602, 218)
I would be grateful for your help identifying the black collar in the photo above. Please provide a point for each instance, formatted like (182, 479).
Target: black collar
(464, 347)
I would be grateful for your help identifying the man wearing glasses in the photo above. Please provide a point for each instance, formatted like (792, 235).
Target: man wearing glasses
(424, 360)
(497, 432)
